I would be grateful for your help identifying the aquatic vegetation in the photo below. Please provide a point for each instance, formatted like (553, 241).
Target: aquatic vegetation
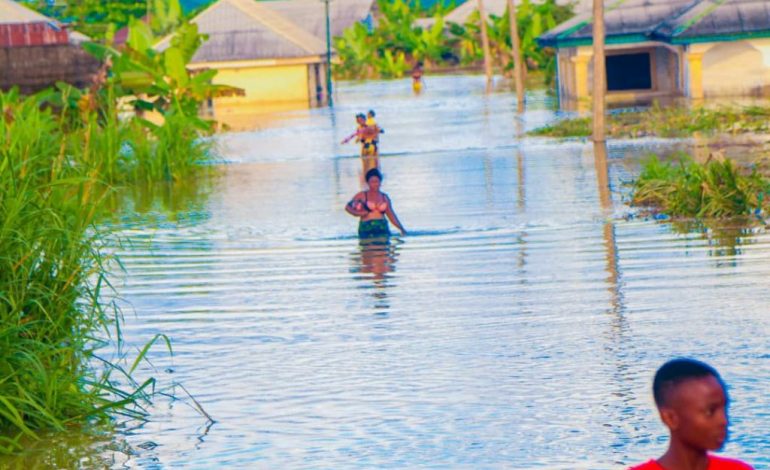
(714, 189)
(673, 121)
(51, 277)
(61, 153)
(575, 127)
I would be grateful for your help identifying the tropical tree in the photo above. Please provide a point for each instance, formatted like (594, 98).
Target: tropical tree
(100, 19)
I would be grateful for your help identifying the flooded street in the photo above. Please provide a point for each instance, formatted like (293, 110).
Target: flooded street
(517, 325)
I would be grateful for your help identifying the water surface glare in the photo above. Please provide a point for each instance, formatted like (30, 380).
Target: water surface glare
(517, 326)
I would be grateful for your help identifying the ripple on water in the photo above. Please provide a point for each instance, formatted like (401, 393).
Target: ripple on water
(517, 326)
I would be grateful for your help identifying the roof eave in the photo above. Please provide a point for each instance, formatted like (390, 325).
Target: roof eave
(719, 37)
(576, 42)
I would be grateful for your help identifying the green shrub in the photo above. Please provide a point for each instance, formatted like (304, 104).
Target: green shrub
(686, 188)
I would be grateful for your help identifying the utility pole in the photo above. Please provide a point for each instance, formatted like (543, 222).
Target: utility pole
(600, 72)
(485, 45)
(518, 66)
(328, 56)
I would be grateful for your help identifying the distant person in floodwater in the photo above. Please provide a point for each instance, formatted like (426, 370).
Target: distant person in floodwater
(376, 130)
(366, 136)
(373, 206)
(417, 73)
(360, 124)
(692, 402)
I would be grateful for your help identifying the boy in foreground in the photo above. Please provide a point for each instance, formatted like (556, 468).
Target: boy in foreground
(692, 402)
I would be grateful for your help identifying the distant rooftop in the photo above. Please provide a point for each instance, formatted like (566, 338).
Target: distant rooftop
(249, 30)
(673, 21)
(13, 13)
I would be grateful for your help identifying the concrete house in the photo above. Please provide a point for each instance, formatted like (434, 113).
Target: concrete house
(254, 48)
(274, 50)
(668, 48)
(37, 51)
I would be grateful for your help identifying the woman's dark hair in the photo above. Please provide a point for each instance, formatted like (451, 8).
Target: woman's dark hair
(373, 172)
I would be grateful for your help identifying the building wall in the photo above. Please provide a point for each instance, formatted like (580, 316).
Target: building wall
(576, 72)
(33, 68)
(736, 68)
(267, 84)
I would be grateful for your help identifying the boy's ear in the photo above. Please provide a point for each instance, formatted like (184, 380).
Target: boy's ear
(669, 417)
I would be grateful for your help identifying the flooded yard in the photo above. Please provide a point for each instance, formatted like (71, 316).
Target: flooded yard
(517, 325)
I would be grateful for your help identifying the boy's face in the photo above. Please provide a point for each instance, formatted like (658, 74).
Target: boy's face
(696, 413)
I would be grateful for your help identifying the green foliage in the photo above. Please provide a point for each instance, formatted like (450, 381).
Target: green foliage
(533, 19)
(100, 19)
(393, 46)
(363, 53)
(668, 122)
(51, 277)
(60, 151)
(705, 190)
(575, 127)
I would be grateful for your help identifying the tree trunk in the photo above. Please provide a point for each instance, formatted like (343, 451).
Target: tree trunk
(485, 46)
(600, 72)
(518, 66)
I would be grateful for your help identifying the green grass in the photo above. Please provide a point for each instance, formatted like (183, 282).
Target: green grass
(56, 177)
(671, 121)
(714, 189)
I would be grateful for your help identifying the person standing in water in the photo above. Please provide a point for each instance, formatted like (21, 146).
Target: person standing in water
(373, 206)
(417, 73)
(692, 402)
(367, 136)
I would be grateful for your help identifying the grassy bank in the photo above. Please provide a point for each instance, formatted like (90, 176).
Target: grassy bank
(62, 153)
(668, 122)
(50, 278)
(714, 189)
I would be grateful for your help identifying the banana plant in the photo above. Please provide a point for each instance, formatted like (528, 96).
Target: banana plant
(159, 80)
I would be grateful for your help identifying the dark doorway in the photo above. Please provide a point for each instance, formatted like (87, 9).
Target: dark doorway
(629, 72)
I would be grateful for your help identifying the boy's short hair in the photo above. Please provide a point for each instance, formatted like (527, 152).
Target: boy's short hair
(371, 113)
(676, 371)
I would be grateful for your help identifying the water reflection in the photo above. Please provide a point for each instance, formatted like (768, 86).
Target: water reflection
(172, 201)
(375, 260)
(622, 417)
(520, 290)
(724, 239)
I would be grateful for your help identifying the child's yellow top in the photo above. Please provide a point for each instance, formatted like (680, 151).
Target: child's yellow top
(370, 121)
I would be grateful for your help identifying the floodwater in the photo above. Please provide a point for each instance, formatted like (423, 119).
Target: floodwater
(517, 325)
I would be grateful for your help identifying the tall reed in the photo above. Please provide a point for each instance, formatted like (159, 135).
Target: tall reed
(51, 275)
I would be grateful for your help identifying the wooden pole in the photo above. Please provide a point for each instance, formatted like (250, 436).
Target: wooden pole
(518, 66)
(600, 72)
(485, 45)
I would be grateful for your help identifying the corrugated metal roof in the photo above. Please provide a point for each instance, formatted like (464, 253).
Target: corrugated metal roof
(311, 16)
(713, 18)
(249, 30)
(667, 21)
(14, 13)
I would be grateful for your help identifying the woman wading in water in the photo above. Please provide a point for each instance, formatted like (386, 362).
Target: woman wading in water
(372, 206)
